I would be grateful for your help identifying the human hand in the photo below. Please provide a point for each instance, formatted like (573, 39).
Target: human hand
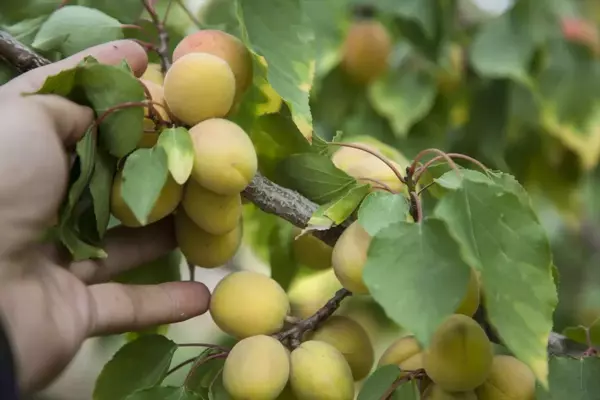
(49, 306)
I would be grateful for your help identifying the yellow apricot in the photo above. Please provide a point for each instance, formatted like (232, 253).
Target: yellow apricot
(470, 302)
(320, 372)
(459, 357)
(366, 51)
(351, 340)
(225, 159)
(349, 257)
(154, 74)
(215, 213)
(199, 86)
(167, 202)
(308, 293)
(248, 303)
(200, 247)
(434, 392)
(224, 46)
(509, 379)
(311, 251)
(257, 367)
(400, 351)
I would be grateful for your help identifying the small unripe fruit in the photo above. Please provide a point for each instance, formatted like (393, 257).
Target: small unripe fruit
(167, 202)
(257, 367)
(404, 352)
(366, 51)
(224, 46)
(200, 247)
(351, 340)
(215, 213)
(248, 303)
(470, 302)
(320, 372)
(311, 251)
(434, 392)
(509, 379)
(460, 355)
(225, 159)
(199, 86)
(349, 258)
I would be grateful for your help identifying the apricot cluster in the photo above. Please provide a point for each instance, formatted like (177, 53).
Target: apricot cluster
(211, 71)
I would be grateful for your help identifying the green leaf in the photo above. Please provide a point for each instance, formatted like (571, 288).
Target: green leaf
(416, 273)
(315, 176)
(164, 393)
(205, 374)
(25, 30)
(71, 29)
(338, 210)
(407, 391)
(378, 382)
(128, 12)
(179, 148)
(581, 334)
(19, 10)
(164, 269)
(571, 378)
(144, 175)
(106, 87)
(284, 40)
(500, 236)
(381, 209)
(404, 97)
(217, 389)
(141, 364)
(281, 256)
(61, 84)
(7, 73)
(101, 187)
(79, 249)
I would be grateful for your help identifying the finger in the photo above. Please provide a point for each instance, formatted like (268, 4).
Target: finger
(128, 248)
(111, 53)
(122, 308)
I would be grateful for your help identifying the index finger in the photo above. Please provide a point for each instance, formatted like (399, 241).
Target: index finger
(111, 53)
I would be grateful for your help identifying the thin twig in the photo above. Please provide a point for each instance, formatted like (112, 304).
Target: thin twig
(416, 207)
(190, 15)
(163, 37)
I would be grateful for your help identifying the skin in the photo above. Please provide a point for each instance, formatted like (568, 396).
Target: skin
(49, 305)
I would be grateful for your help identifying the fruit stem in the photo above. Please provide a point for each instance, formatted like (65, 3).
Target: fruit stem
(379, 156)
(311, 323)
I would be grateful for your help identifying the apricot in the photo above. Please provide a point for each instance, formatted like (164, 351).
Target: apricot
(199, 86)
(434, 392)
(257, 367)
(351, 340)
(168, 200)
(308, 293)
(225, 159)
(367, 168)
(200, 247)
(215, 213)
(405, 352)
(154, 74)
(470, 302)
(349, 258)
(509, 379)
(319, 371)
(248, 303)
(366, 51)
(459, 357)
(156, 92)
(311, 251)
(224, 46)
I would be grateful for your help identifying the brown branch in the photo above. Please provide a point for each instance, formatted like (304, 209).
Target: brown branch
(295, 333)
(163, 38)
(269, 197)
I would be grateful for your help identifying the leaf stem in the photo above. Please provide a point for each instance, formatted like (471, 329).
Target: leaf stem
(379, 156)
(191, 16)
(396, 384)
(383, 185)
(445, 156)
(424, 167)
(200, 361)
(208, 345)
(181, 365)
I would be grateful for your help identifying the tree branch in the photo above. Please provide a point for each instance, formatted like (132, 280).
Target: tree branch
(270, 198)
